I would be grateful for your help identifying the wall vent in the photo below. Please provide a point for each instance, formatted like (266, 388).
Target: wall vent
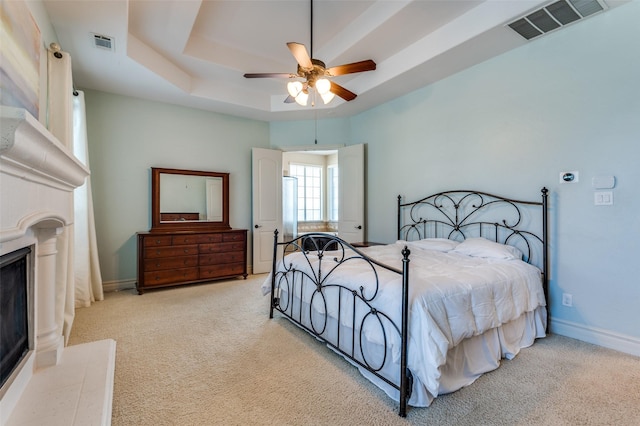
(103, 42)
(554, 16)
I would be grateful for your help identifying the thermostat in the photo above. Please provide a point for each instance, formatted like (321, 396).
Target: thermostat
(569, 177)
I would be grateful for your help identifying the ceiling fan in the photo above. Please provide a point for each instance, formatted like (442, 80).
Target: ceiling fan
(316, 75)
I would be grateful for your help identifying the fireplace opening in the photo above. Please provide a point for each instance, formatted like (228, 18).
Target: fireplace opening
(14, 311)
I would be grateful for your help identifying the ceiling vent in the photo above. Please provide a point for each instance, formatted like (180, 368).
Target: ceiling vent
(554, 16)
(103, 42)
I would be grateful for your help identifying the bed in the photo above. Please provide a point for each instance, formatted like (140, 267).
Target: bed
(463, 287)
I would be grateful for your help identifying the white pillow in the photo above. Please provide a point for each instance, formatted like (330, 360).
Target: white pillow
(481, 247)
(438, 244)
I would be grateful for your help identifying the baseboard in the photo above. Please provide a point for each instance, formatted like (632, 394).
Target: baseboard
(109, 286)
(597, 336)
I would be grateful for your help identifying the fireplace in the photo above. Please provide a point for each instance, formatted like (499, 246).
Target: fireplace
(37, 178)
(15, 321)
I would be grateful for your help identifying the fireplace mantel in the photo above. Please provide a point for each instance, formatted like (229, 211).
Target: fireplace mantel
(38, 175)
(34, 166)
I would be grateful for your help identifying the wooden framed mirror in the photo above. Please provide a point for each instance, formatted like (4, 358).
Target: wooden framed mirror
(183, 200)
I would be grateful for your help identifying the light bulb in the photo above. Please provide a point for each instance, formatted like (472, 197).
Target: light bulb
(323, 86)
(302, 98)
(294, 88)
(327, 97)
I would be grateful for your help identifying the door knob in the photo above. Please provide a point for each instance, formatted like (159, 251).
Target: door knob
(258, 226)
(358, 227)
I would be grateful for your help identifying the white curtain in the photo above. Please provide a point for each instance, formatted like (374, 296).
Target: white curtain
(88, 281)
(60, 123)
(78, 280)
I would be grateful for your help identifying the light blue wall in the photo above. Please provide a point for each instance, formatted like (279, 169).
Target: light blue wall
(336, 131)
(127, 136)
(568, 101)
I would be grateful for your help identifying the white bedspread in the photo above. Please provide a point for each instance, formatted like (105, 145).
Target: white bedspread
(452, 297)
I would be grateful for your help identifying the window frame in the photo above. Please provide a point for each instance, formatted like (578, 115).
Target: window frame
(303, 187)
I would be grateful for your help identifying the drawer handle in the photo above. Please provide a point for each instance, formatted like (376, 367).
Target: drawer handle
(158, 264)
(186, 250)
(157, 241)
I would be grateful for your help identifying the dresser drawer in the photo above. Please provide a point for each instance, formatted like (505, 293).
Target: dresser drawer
(160, 263)
(227, 269)
(233, 236)
(171, 251)
(209, 238)
(221, 247)
(159, 240)
(218, 258)
(170, 276)
(184, 239)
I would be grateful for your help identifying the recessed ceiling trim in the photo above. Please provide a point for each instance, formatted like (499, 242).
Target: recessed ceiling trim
(555, 16)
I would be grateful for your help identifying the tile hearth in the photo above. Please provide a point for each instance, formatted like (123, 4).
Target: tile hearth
(77, 391)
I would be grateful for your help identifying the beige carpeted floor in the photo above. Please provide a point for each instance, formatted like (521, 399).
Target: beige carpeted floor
(209, 355)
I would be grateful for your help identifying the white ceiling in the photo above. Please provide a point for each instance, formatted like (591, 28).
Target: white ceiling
(194, 53)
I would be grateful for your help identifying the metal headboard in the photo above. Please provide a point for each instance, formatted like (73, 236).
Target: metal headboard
(461, 214)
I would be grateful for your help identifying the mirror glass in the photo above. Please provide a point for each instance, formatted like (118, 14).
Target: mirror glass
(189, 198)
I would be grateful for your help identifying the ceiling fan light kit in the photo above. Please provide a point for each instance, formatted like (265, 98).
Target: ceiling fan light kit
(323, 86)
(316, 75)
(302, 98)
(294, 88)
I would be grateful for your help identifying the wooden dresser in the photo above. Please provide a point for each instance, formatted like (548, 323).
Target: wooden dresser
(177, 258)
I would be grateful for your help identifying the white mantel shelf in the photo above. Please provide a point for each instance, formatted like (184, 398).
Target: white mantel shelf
(28, 146)
(33, 162)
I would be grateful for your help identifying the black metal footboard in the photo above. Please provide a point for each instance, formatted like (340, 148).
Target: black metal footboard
(311, 288)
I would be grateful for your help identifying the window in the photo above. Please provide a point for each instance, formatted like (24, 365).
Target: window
(332, 193)
(309, 191)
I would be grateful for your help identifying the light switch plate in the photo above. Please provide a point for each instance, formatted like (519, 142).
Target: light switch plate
(603, 198)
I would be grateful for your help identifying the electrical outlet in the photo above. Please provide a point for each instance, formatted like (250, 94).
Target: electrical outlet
(567, 299)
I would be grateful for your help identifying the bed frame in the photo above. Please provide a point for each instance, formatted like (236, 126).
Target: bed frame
(457, 215)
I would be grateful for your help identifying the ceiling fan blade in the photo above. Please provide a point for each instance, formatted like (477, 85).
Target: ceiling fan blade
(345, 94)
(354, 67)
(289, 99)
(271, 75)
(299, 51)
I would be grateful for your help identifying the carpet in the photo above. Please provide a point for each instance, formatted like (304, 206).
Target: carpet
(210, 355)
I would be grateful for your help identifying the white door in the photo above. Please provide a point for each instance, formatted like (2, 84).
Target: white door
(351, 193)
(267, 205)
